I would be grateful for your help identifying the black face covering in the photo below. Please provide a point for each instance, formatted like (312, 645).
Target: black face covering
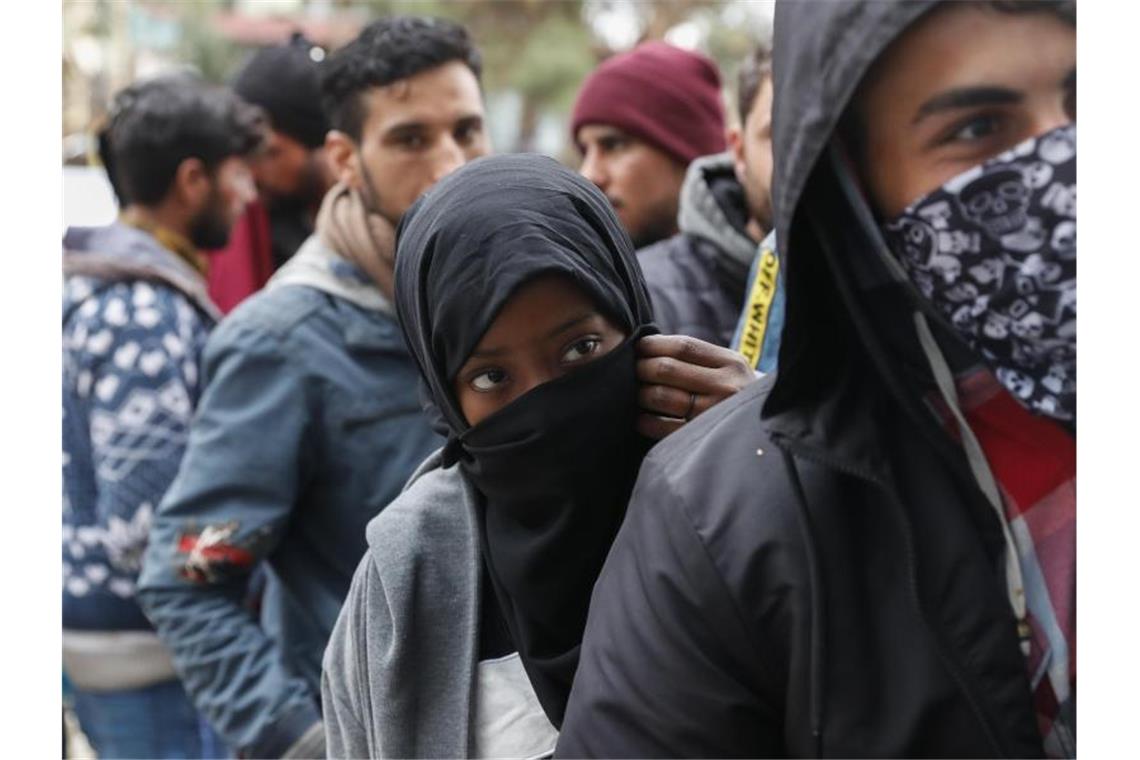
(556, 466)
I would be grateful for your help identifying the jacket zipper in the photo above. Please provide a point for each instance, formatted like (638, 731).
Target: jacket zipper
(951, 663)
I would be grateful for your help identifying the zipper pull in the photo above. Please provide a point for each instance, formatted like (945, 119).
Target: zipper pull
(1024, 635)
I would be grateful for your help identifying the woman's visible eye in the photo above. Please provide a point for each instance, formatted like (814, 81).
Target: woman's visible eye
(487, 380)
(580, 349)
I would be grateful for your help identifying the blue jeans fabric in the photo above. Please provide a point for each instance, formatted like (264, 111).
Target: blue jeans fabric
(152, 722)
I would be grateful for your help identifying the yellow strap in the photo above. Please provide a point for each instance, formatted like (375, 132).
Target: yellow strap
(758, 306)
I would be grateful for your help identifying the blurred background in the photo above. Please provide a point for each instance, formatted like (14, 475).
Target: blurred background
(535, 55)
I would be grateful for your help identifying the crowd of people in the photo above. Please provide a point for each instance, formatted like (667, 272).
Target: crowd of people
(744, 440)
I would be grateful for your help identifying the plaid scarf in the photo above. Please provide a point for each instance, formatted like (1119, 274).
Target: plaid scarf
(1035, 465)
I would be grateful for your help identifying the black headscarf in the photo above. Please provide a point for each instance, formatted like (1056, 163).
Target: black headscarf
(556, 466)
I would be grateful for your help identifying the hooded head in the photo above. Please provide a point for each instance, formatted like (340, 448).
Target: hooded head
(468, 245)
(879, 106)
(515, 283)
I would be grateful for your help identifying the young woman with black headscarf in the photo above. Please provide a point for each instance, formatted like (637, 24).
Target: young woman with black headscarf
(521, 299)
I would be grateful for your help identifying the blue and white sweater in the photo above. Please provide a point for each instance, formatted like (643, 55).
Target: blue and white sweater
(135, 320)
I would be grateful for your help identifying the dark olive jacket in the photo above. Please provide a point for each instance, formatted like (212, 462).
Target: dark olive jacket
(809, 568)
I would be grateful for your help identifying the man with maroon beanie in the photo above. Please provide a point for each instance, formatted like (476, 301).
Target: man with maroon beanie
(639, 119)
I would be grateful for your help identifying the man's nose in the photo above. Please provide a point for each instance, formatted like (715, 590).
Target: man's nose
(1051, 115)
(449, 158)
(593, 168)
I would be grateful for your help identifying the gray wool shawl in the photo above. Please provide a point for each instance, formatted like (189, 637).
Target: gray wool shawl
(388, 657)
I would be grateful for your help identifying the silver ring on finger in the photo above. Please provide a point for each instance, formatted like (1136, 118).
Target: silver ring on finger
(692, 406)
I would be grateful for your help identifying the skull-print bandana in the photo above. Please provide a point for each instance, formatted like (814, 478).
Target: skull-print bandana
(994, 250)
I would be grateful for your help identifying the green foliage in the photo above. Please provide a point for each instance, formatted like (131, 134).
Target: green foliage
(215, 57)
(556, 56)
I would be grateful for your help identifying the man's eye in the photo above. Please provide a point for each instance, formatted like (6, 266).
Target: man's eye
(580, 350)
(413, 142)
(488, 380)
(467, 133)
(975, 129)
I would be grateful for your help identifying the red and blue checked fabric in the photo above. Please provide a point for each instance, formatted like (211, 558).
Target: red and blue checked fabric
(1035, 464)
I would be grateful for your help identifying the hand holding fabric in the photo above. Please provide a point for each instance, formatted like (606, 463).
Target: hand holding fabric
(680, 377)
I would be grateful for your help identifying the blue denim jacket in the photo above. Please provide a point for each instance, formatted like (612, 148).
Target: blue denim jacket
(307, 426)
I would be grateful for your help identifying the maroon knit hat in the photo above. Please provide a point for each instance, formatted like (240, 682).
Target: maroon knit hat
(665, 95)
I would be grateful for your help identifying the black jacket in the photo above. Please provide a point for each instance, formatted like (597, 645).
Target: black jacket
(810, 569)
(696, 278)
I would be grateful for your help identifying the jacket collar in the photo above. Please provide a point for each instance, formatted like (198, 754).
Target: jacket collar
(837, 429)
(318, 266)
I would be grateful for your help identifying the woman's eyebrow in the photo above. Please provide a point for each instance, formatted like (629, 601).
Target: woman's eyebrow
(966, 97)
(561, 328)
(570, 323)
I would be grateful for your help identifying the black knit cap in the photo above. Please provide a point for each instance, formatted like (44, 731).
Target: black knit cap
(284, 81)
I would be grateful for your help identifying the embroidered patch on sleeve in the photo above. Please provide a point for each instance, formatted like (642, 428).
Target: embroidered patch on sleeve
(212, 555)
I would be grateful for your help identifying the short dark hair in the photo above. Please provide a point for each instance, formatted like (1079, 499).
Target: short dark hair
(156, 125)
(386, 51)
(756, 68)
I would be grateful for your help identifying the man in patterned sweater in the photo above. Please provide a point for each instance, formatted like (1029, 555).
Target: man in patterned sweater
(135, 319)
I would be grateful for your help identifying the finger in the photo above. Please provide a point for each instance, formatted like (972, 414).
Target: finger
(671, 402)
(686, 349)
(665, 370)
(656, 428)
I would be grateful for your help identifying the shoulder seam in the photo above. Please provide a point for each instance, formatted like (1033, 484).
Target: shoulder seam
(683, 507)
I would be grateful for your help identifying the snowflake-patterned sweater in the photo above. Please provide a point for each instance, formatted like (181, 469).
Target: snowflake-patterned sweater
(135, 320)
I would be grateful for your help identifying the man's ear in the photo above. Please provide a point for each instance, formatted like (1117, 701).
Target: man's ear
(734, 136)
(192, 184)
(342, 153)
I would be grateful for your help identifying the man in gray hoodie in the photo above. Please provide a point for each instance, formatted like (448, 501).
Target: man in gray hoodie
(697, 277)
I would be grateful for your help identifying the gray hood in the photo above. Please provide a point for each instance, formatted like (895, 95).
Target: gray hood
(719, 213)
(121, 252)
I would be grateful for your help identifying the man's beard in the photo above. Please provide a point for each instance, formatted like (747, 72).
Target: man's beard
(658, 228)
(211, 229)
(371, 197)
